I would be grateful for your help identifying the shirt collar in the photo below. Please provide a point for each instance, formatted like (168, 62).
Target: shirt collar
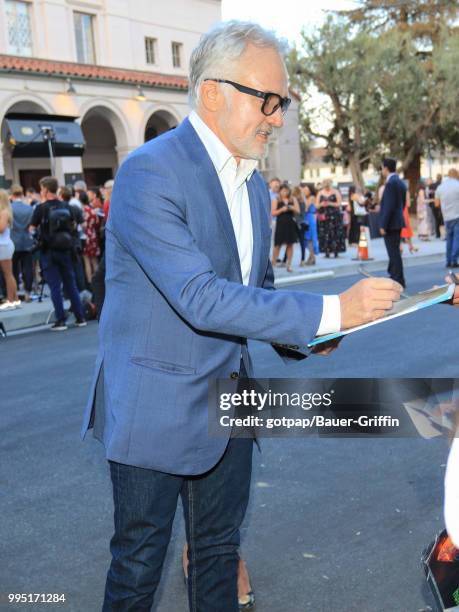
(218, 153)
(390, 176)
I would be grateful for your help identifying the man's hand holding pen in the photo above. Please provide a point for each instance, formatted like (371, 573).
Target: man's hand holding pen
(368, 300)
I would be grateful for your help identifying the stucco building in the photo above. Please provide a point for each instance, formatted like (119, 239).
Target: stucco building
(118, 66)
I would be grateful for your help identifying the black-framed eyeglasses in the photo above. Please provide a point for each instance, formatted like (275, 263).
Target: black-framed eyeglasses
(271, 101)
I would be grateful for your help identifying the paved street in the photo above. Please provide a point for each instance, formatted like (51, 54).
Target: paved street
(333, 525)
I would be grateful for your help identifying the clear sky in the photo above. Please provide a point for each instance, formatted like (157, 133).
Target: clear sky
(287, 17)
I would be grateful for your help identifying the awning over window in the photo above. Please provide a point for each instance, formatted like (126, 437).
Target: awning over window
(28, 135)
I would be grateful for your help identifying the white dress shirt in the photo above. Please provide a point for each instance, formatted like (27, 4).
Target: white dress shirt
(233, 179)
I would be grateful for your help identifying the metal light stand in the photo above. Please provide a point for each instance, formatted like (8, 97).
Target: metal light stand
(49, 136)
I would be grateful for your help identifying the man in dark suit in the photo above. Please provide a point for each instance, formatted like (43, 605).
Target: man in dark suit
(391, 218)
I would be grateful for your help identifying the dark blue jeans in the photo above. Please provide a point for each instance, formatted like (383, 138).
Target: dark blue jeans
(452, 242)
(57, 268)
(214, 506)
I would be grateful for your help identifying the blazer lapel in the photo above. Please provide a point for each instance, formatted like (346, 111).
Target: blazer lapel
(255, 212)
(211, 187)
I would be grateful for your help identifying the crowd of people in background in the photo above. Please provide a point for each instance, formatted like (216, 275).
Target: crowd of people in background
(55, 237)
(320, 218)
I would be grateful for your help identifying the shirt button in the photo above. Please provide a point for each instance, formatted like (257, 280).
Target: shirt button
(234, 375)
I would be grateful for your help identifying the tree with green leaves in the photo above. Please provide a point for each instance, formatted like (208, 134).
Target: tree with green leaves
(428, 23)
(425, 102)
(424, 19)
(376, 96)
(333, 69)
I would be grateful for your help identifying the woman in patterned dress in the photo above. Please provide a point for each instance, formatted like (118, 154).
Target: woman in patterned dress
(92, 222)
(423, 214)
(330, 220)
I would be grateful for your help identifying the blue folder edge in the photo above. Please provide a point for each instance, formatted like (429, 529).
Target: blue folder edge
(447, 295)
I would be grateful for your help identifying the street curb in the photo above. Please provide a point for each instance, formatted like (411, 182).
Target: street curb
(351, 269)
(29, 316)
(14, 320)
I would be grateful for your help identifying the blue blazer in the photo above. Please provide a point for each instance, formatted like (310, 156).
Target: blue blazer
(392, 204)
(176, 313)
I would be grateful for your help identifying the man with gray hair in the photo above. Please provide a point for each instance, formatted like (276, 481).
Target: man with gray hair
(188, 281)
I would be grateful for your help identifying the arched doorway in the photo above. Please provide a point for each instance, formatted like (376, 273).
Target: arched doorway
(100, 159)
(159, 122)
(26, 171)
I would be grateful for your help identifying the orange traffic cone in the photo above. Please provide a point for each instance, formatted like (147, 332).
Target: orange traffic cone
(363, 245)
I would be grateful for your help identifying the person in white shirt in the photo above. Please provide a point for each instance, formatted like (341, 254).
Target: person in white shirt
(447, 197)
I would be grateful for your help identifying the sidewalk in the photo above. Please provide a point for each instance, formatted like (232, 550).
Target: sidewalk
(41, 313)
(428, 252)
(30, 315)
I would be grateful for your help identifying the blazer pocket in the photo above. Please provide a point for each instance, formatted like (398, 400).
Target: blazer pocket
(164, 366)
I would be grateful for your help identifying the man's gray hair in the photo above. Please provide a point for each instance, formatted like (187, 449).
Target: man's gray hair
(221, 47)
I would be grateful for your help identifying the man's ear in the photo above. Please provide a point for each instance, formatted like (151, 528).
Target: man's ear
(211, 96)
